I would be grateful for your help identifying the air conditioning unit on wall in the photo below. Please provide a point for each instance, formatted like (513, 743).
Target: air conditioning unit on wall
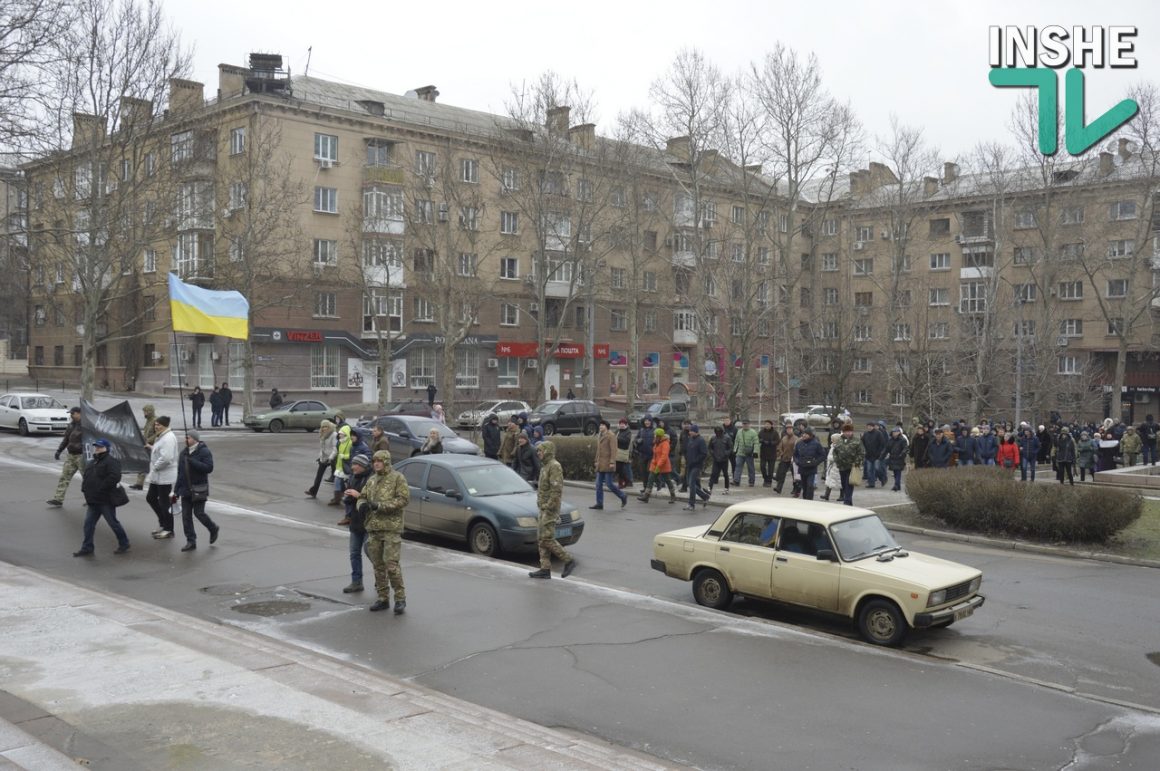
(215, 356)
(493, 363)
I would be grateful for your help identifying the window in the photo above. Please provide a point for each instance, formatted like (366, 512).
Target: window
(324, 361)
(783, 223)
(509, 223)
(38, 356)
(509, 268)
(940, 261)
(973, 297)
(650, 321)
(181, 146)
(1069, 365)
(648, 200)
(1115, 327)
(424, 211)
(425, 165)
(863, 299)
(508, 375)
(684, 321)
(617, 279)
(1024, 255)
(979, 260)
(763, 327)
(806, 296)
(1117, 287)
(553, 183)
(237, 196)
(1071, 327)
(1123, 210)
(940, 330)
(326, 200)
(1071, 252)
(469, 218)
(379, 304)
(1024, 220)
(1121, 248)
(830, 227)
(710, 284)
(466, 367)
(940, 296)
(735, 327)
(237, 140)
(1026, 328)
(763, 255)
(865, 233)
(708, 212)
(469, 170)
(1071, 290)
(1027, 293)
(1072, 215)
(829, 296)
(739, 253)
(326, 147)
(618, 321)
(149, 261)
(383, 253)
(150, 164)
(509, 315)
(940, 227)
(864, 267)
(325, 304)
(901, 332)
(862, 364)
(863, 332)
(829, 262)
(378, 153)
(580, 320)
(325, 252)
(863, 396)
(901, 263)
(237, 250)
(423, 310)
(465, 266)
(584, 189)
(737, 215)
(616, 197)
(39, 315)
(649, 281)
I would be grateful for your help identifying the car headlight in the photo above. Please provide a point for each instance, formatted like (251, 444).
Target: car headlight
(975, 584)
(575, 515)
(937, 598)
(527, 521)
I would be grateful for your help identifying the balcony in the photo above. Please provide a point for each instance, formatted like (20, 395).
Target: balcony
(684, 337)
(374, 174)
(976, 273)
(684, 259)
(385, 275)
(385, 226)
(559, 289)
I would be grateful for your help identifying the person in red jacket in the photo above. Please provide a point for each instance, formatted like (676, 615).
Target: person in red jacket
(1008, 456)
(660, 469)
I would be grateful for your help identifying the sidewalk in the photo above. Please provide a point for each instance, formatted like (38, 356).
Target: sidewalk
(88, 678)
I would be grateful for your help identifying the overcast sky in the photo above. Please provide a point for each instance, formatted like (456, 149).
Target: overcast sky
(924, 62)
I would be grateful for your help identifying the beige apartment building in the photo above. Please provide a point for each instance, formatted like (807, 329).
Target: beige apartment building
(397, 241)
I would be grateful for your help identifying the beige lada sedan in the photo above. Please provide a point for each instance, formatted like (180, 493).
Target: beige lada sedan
(833, 558)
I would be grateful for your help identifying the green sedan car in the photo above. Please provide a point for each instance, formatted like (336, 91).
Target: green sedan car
(304, 414)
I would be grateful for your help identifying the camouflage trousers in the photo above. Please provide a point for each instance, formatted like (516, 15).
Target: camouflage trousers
(384, 550)
(549, 546)
(73, 464)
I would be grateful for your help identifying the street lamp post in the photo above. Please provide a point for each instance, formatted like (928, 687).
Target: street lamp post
(1019, 363)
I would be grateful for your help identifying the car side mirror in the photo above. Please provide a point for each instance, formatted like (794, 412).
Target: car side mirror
(405, 434)
(827, 555)
(453, 494)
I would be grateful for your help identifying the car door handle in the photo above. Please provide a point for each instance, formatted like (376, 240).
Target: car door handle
(780, 559)
(724, 548)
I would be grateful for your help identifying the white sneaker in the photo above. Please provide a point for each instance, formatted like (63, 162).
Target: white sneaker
(162, 534)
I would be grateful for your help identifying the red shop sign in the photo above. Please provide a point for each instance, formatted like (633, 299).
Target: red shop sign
(569, 351)
(600, 351)
(299, 336)
(510, 350)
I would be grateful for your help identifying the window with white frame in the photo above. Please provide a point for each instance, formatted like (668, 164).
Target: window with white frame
(421, 367)
(1121, 248)
(1117, 287)
(181, 146)
(1071, 327)
(584, 189)
(863, 299)
(783, 223)
(1072, 251)
(763, 327)
(738, 252)
(901, 263)
(149, 261)
(325, 251)
(176, 368)
(423, 310)
(469, 170)
(617, 279)
(902, 298)
(1028, 292)
(1122, 210)
(864, 267)
(425, 165)
(863, 396)
(378, 152)
(708, 212)
(865, 233)
(940, 296)
(150, 164)
(465, 266)
(236, 364)
(617, 198)
(828, 330)
(237, 140)
(1025, 328)
(1024, 255)
(509, 223)
(898, 398)
(684, 321)
(862, 364)
(973, 297)
(509, 268)
(237, 195)
(383, 253)
(901, 332)
(469, 218)
(648, 200)
(325, 304)
(326, 200)
(509, 315)
(940, 261)
(509, 179)
(1071, 290)
(508, 375)
(939, 330)
(1116, 326)
(649, 281)
(830, 296)
(325, 147)
(237, 250)
(830, 227)
(863, 332)
(1069, 365)
(710, 284)
(650, 321)
(737, 215)
(466, 367)
(1024, 220)
(735, 327)
(711, 248)
(324, 361)
(829, 262)
(618, 320)
(379, 303)
(1071, 215)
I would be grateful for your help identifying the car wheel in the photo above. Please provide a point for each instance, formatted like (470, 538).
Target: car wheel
(482, 540)
(590, 429)
(549, 428)
(712, 590)
(881, 623)
(23, 427)
(275, 426)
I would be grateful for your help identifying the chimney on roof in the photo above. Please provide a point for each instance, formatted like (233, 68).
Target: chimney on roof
(678, 146)
(1107, 163)
(557, 119)
(185, 96)
(583, 135)
(88, 130)
(950, 172)
(929, 186)
(231, 80)
(136, 114)
(860, 182)
(427, 93)
(1124, 150)
(880, 175)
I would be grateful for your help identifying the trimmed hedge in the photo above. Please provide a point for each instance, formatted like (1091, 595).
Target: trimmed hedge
(990, 500)
(577, 454)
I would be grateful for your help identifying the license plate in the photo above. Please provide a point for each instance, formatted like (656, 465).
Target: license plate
(963, 613)
(563, 532)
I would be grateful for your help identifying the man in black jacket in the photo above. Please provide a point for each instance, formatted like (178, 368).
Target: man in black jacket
(100, 479)
(696, 451)
(492, 437)
(360, 469)
(768, 440)
(874, 444)
(194, 465)
(808, 454)
(227, 396)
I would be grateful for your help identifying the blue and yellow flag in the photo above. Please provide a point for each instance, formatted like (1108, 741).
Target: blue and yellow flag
(208, 312)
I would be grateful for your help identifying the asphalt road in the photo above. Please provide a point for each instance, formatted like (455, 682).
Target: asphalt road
(1044, 676)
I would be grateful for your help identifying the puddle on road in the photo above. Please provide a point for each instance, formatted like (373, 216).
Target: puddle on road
(268, 608)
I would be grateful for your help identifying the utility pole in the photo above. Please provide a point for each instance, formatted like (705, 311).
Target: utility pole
(1019, 362)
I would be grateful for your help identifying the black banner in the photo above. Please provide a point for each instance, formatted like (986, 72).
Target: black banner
(119, 426)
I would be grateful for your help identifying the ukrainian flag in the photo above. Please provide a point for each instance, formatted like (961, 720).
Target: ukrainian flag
(208, 312)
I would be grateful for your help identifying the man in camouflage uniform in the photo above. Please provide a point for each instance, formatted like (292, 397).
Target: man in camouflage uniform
(548, 496)
(848, 455)
(150, 434)
(381, 503)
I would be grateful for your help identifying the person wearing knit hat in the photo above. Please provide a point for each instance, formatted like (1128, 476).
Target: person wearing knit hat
(660, 468)
(381, 503)
(696, 452)
(1065, 455)
(193, 434)
(360, 469)
(194, 465)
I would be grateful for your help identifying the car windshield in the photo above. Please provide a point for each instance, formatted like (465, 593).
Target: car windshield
(862, 537)
(493, 479)
(547, 407)
(423, 426)
(654, 409)
(40, 403)
(484, 406)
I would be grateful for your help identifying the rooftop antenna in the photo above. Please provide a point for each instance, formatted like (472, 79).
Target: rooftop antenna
(309, 51)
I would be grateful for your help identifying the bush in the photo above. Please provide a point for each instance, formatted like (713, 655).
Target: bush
(577, 454)
(989, 500)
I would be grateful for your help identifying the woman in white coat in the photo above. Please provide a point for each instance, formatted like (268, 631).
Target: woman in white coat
(162, 476)
(833, 478)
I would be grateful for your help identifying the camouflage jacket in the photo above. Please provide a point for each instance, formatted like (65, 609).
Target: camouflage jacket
(382, 501)
(551, 485)
(150, 429)
(848, 452)
(509, 443)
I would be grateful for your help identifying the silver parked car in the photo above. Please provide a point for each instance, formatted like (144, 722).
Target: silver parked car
(407, 433)
(482, 412)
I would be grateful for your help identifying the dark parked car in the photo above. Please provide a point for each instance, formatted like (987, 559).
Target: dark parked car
(566, 416)
(480, 501)
(673, 412)
(414, 407)
(407, 434)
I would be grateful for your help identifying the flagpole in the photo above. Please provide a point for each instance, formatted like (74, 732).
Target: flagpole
(180, 392)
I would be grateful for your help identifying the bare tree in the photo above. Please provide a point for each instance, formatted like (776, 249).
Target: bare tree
(28, 31)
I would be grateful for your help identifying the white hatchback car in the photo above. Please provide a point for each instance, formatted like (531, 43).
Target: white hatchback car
(482, 412)
(33, 413)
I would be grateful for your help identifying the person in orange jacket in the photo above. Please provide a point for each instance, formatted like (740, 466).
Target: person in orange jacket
(1008, 455)
(660, 469)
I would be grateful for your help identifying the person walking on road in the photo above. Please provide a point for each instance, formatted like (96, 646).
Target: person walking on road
(526, 462)
(1028, 453)
(897, 448)
(73, 442)
(149, 433)
(848, 453)
(360, 469)
(342, 455)
(606, 467)
(783, 452)
(100, 479)
(197, 401)
(327, 447)
(660, 468)
(548, 495)
(381, 502)
(808, 454)
(194, 466)
(696, 451)
(768, 439)
(492, 438)
(720, 450)
(162, 475)
(1149, 431)
(745, 445)
(624, 437)
(227, 397)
